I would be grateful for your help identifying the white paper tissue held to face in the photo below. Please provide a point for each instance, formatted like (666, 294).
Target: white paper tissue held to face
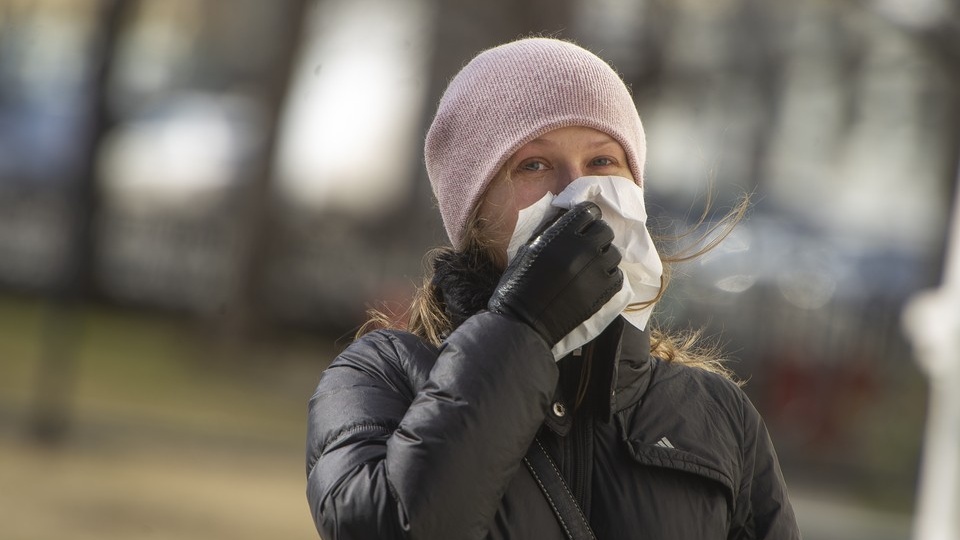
(621, 201)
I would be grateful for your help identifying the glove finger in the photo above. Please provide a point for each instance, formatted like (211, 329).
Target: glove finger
(579, 218)
(618, 284)
(598, 232)
(612, 271)
(610, 256)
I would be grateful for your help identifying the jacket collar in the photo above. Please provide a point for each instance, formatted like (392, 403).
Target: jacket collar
(619, 372)
(633, 367)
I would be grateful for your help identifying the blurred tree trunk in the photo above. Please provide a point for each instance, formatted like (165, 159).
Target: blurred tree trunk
(62, 330)
(256, 221)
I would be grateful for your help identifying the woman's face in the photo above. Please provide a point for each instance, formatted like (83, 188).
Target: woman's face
(547, 164)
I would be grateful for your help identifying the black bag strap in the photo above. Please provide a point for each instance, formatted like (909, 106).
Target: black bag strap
(562, 501)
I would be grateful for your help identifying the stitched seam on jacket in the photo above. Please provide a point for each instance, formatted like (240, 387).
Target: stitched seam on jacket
(564, 484)
(346, 432)
(546, 494)
(734, 508)
(654, 457)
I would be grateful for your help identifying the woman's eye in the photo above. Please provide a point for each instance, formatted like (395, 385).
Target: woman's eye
(603, 162)
(533, 166)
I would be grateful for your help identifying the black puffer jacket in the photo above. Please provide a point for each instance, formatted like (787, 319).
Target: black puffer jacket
(408, 441)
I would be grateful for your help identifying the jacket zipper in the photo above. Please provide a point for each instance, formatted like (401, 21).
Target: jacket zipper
(581, 461)
(575, 450)
(569, 459)
(576, 457)
(581, 456)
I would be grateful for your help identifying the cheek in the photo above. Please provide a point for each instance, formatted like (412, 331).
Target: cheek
(503, 203)
(499, 213)
(532, 192)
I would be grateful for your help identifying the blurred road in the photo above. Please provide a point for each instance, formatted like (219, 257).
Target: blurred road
(824, 518)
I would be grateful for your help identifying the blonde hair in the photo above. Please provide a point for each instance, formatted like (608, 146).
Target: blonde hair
(427, 318)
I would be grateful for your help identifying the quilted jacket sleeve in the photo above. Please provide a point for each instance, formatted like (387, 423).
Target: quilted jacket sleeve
(763, 510)
(387, 458)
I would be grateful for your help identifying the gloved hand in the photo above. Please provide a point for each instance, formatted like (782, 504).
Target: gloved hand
(562, 276)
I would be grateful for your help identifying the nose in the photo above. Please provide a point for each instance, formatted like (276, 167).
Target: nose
(566, 175)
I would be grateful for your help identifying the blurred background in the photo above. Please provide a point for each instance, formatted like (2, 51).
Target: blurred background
(199, 199)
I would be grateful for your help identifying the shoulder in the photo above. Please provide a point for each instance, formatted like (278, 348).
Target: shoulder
(703, 401)
(710, 403)
(699, 413)
(385, 354)
(388, 343)
(366, 389)
(699, 388)
(704, 423)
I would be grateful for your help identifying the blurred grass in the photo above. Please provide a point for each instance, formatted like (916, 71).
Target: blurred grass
(174, 432)
(174, 371)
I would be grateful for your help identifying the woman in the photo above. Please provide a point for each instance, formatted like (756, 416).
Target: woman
(431, 431)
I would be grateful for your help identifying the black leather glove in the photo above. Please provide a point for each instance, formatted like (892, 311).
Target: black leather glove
(562, 276)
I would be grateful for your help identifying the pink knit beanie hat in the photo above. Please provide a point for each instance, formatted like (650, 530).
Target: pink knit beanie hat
(506, 97)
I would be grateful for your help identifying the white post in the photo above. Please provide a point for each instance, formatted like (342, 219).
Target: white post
(932, 322)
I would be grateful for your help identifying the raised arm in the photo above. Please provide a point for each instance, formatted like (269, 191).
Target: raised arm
(389, 461)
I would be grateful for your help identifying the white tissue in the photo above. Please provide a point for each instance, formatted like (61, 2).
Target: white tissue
(621, 201)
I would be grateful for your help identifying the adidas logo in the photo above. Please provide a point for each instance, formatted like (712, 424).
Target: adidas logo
(664, 443)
